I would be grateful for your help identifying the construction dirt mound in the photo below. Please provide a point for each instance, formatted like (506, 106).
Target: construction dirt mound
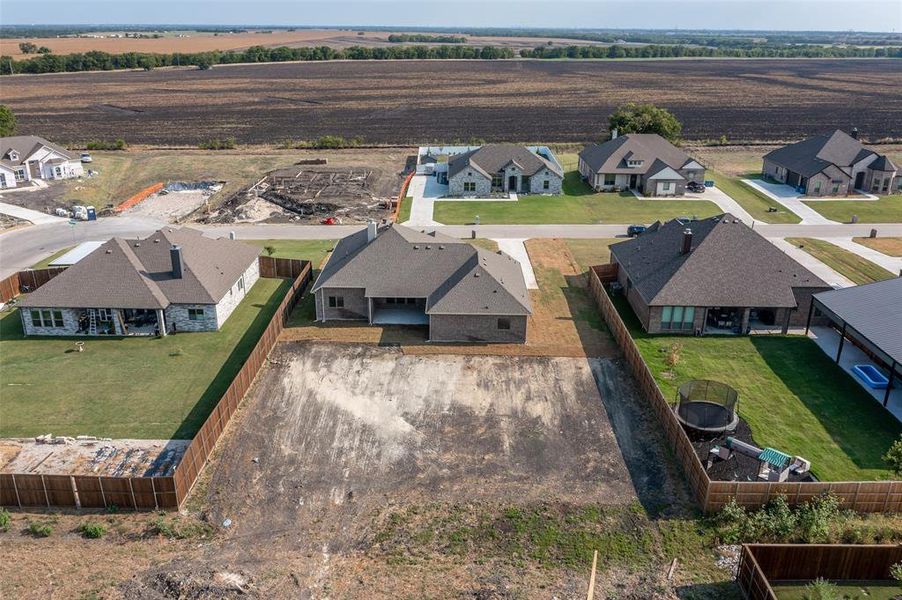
(313, 193)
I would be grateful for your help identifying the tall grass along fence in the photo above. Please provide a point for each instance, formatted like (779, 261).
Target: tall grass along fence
(862, 496)
(761, 564)
(167, 492)
(26, 281)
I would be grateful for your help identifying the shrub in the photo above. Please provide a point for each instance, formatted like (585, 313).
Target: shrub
(893, 457)
(92, 530)
(270, 250)
(813, 522)
(895, 571)
(821, 589)
(39, 529)
(117, 144)
(5, 520)
(7, 121)
(218, 144)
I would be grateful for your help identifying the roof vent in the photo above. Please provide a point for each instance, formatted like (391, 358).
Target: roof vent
(156, 241)
(441, 247)
(476, 274)
(428, 247)
(416, 247)
(137, 244)
(109, 251)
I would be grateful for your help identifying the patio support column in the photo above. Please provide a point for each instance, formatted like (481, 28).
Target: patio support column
(369, 304)
(889, 384)
(842, 340)
(810, 313)
(161, 321)
(788, 319)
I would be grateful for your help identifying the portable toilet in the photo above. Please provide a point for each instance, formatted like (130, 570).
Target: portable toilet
(92, 213)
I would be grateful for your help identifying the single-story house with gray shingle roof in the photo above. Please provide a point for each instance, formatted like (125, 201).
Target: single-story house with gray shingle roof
(833, 164)
(24, 158)
(715, 275)
(398, 275)
(504, 168)
(172, 280)
(644, 162)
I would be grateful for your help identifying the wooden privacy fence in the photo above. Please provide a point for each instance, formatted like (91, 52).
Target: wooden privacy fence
(862, 496)
(168, 492)
(761, 564)
(286, 268)
(26, 281)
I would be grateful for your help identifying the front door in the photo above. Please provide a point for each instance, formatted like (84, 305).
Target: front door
(634, 181)
(34, 168)
(859, 180)
(512, 183)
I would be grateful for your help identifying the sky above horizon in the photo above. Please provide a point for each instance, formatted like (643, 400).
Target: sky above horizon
(807, 15)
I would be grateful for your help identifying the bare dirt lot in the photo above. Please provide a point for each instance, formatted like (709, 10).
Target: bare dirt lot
(412, 102)
(118, 458)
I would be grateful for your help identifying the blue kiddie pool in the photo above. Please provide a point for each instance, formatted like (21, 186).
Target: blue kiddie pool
(872, 377)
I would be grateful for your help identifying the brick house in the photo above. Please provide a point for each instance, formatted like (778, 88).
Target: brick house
(715, 275)
(834, 164)
(401, 276)
(644, 162)
(24, 158)
(173, 280)
(504, 168)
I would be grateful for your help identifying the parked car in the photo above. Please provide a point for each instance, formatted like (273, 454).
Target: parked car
(695, 187)
(86, 157)
(635, 230)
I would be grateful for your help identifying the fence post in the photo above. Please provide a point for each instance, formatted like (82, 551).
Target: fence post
(46, 495)
(102, 494)
(132, 490)
(16, 489)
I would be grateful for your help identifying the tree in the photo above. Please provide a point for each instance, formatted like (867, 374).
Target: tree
(7, 121)
(28, 48)
(645, 118)
(44, 50)
(893, 456)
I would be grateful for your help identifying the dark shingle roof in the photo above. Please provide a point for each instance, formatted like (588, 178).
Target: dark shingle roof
(25, 145)
(454, 276)
(491, 158)
(882, 163)
(729, 265)
(810, 157)
(138, 273)
(652, 149)
(874, 310)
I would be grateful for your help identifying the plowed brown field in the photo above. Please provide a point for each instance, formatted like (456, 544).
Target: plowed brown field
(411, 102)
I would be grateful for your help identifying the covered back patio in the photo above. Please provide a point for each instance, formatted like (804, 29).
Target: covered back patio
(398, 311)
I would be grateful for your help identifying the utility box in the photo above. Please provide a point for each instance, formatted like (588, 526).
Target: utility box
(92, 213)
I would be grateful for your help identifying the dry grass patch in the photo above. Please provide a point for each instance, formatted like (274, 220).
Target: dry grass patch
(891, 246)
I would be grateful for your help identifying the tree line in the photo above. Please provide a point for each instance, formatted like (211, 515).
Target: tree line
(96, 60)
(422, 38)
(658, 51)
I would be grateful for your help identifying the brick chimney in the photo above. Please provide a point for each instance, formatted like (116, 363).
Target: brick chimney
(854, 133)
(175, 255)
(686, 246)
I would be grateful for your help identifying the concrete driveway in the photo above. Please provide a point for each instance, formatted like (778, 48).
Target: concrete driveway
(724, 202)
(789, 198)
(26, 214)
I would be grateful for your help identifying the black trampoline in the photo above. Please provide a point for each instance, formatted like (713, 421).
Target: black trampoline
(707, 406)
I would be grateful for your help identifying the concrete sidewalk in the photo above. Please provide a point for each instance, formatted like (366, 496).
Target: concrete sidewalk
(26, 214)
(812, 264)
(789, 198)
(517, 250)
(725, 203)
(893, 264)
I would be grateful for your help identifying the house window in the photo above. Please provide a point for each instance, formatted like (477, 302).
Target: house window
(498, 180)
(610, 179)
(675, 318)
(103, 314)
(469, 186)
(504, 323)
(47, 318)
(20, 174)
(899, 183)
(195, 314)
(2, 180)
(546, 185)
(667, 185)
(241, 282)
(835, 189)
(817, 187)
(634, 163)
(339, 301)
(58, 171)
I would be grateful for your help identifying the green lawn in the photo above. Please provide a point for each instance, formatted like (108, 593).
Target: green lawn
(858, 269)
(791, 394)
(591, 252)
(313, 250)
(404, 211)
(751, 199)
(888, 209)
(578, 204)
(864, 590)
(140, 387)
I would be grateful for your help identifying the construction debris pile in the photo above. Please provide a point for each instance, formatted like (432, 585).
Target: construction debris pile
(89, 455)
(310, 194)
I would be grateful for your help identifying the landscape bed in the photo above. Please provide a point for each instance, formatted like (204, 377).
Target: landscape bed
(523, 100)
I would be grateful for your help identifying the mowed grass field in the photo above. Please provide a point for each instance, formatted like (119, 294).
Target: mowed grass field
(888, 209)
(579, 203)
(794, 398)
(858, 269)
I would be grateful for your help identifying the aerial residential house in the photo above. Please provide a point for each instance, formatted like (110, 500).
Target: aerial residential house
(504, 168)
(24, 158)
(644, 162)
(714, 275)
(171, 281)
(398, 275)
(833, 164)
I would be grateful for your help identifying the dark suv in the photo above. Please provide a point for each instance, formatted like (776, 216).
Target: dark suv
(695, 187)
(635, 230)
